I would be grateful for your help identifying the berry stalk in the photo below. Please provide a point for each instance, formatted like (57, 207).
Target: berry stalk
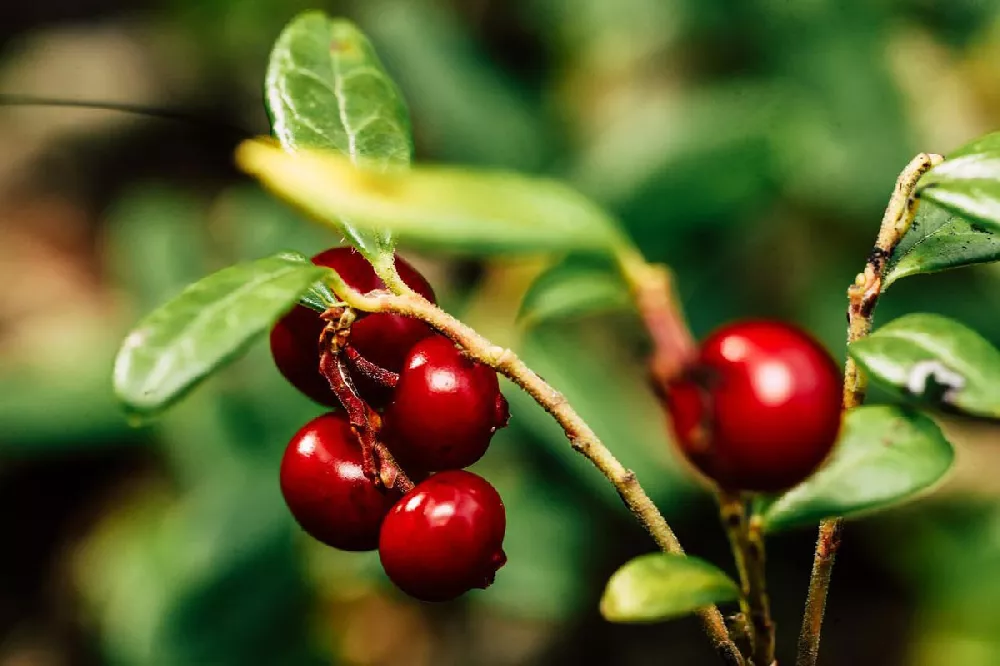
(674, 348)
(748, 550)
(862, 298)
(377, 462)
(583, 439)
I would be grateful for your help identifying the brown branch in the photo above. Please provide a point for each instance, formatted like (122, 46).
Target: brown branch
(674, 348)
(581, 436)
(863, 296)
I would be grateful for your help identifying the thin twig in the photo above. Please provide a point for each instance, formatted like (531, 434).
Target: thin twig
(863, 296)
(372, 371)
(582, 438)
(748, 550)
(162, 113)
(674, 347)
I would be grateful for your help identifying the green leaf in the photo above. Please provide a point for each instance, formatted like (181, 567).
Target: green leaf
(940, 240)
(968, 182)
(936, 360)
(207, 324)
(327, 89)
(455, 209)
(885, 454)
(659, 586)
(574, 288)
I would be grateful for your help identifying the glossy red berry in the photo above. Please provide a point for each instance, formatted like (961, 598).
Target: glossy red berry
(383, 339)
(445, 408)
(326, 490)
(445, 537)
(761, 409)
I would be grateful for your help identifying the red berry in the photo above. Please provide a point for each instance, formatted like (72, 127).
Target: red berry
(445, 537)
(445, 409)
(383, 339)
(762, 408)
(325, 488)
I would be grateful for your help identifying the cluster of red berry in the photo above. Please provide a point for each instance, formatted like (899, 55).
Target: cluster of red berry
(439, 410)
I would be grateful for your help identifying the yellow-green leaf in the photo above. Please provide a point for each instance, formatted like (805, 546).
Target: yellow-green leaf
(658, 586)
(450, 208)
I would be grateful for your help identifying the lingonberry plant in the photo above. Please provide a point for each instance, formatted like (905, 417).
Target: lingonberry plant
(778, 433)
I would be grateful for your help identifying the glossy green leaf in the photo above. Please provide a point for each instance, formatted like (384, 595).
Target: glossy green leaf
(318, 297)
(940, 240)
(207, 324)
(936, 360)
(327, 89)
(450, 208)
(656, 587)
(968, 182)
(885, 454)
(574, 288)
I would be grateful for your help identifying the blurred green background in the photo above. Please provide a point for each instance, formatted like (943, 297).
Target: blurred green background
(750, 143)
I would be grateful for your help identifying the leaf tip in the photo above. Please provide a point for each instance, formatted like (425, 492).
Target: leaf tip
(252, 155)
(609, 606)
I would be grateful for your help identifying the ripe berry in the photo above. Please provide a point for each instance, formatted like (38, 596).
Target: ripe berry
(445, 409)
(762, 408)
(325, 488)
(382, 338)
(445, 537)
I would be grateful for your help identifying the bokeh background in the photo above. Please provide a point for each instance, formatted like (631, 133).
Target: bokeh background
(749, 143)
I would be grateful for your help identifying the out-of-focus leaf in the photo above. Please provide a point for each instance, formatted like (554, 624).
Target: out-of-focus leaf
(940, 240)
(609, 391)
(208, 323)
(248, 223)
(543, 579)
(841, 100)
(885, 454)
(574, 288)
(470, 110)
(450, 208)
(157, 242)
(678, 161)
(255, 224)
(89, 415)
(968, 182)
(935, 359)
(327, 89)
(658, 586)
(209, 579)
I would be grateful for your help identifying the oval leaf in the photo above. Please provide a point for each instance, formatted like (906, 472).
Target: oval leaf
(968, 182)
(658, 586)
(885, 454)
(457, 209)
(574, 288)
(326, 88)
(936, 360)
(208, 323)
(940, 240)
